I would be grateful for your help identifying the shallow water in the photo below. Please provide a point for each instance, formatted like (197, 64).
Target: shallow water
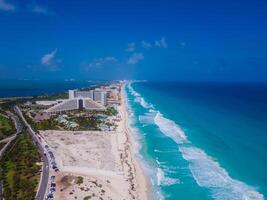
(202, 141)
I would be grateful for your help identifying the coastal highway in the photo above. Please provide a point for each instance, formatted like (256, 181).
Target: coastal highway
(8, 140)
(18, 127)
(41, 192)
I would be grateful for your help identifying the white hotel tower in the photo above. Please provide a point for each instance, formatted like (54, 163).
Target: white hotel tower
(97, 95)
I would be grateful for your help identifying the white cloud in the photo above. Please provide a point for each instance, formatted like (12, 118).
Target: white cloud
(161, 43)
(146, 45)
(135, 58)
(100, 62)
(38, 9)
(5, 6)
(48, 59)
(131, 47)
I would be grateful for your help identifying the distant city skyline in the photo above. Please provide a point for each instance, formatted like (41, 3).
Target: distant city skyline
(152, 40)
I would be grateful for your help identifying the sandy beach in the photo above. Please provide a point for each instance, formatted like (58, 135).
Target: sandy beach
(97, 164)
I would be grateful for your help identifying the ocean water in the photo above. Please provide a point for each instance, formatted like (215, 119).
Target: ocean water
(11, 88)
(201, 140)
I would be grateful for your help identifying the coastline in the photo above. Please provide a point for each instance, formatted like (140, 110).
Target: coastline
(142, 183)
(106, 161)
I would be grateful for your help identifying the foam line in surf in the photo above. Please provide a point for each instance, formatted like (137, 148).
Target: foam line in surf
(206, 172)
(210, 174)
(148, 118)
(170, 129)
(138, 98)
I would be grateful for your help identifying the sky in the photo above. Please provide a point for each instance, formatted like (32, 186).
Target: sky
(182, 40)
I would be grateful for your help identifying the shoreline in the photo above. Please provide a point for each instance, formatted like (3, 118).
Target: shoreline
(141, 180)
(107, 161)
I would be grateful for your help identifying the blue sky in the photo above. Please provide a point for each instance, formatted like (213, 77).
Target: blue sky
(155, 40)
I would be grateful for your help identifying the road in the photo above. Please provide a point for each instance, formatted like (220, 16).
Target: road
(41, 193)
(8, 141)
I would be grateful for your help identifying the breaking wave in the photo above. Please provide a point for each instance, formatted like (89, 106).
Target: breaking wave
(210, 174)
(138, 98)
(205, 170)
(170, 129)
(163, 180)
(148, 118)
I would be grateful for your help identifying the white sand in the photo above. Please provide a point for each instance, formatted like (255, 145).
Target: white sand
(103, 159)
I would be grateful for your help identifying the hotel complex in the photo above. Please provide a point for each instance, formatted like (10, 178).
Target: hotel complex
(97, 99)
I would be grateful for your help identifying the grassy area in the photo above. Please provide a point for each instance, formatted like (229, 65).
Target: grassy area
(20, 171)
(6, 127)
(111, 111)
(9, 104)
(87, 123)
(48, 124)
(52, 97)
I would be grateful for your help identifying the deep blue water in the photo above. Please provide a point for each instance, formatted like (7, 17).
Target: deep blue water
(202, 140)
(11, 88)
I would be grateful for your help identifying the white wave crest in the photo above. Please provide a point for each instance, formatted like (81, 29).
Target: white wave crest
(170, 129)
(208, 173)
(138, 98)
(142, 102)
(163, 180)
(165, 151)
(132, 91)
(148, 118)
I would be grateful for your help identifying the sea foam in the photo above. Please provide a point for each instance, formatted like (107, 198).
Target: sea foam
(148, 118)
(163, 180)
(170, 129)
(206, 172)
(138, 98)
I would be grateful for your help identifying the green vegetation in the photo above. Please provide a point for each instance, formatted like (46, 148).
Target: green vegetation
(79, 180)
(9, 104)
(6, 127)
(87, 122)
(87, 198)
(111, 111)
(48, 124)
(20, 172)
(51, 97)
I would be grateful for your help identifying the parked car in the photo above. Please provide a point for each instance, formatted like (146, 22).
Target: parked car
(52, 189)
(50, 195)
(52, 178)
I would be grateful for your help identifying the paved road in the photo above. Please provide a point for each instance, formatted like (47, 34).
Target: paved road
(8, 141)
(12, 137)
(41, 193)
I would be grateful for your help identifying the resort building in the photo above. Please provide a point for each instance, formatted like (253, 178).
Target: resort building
(97, 95)
(96, 99)
(76, 104)
(100, 97)
(84, 94)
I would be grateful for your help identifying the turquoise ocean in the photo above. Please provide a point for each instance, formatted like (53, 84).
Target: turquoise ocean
(201, 140)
